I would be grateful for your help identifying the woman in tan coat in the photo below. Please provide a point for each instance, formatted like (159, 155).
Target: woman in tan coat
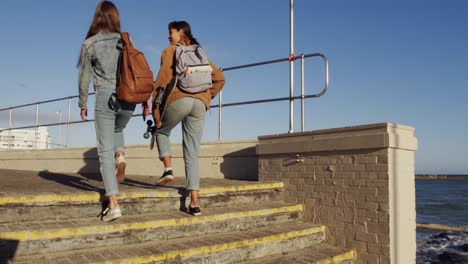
(179, 105)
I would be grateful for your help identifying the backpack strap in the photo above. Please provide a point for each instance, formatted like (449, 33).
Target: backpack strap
(126, 39)
(197, 52)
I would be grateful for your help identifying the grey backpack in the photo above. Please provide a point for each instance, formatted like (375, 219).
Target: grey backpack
(192, 69)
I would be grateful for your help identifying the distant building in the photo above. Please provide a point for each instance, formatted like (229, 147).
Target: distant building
(25, 139)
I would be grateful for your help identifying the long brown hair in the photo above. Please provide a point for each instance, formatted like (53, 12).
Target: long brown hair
(106, 18)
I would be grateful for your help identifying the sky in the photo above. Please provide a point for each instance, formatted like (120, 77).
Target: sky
(402, 62)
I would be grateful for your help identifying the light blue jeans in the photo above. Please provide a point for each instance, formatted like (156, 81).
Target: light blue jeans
(109, 134)
(191, 112)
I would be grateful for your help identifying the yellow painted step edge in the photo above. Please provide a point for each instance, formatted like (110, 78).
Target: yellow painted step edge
(350, 255)
(217, 248)
(93, 197)
(113, 228)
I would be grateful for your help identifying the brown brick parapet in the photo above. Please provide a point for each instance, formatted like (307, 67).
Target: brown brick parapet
(358, 181)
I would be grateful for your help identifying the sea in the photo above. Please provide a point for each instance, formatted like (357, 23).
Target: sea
(442, 202)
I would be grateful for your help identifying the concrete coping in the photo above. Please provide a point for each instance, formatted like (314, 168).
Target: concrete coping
(339, 130)
(372, 136)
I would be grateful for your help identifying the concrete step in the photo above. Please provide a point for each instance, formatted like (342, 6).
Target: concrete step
(317, 254)
(53, 236)
(33, 196)
(224, 247)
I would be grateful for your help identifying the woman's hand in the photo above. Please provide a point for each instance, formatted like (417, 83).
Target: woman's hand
(158, 124)
(84, 114)
(145, 107)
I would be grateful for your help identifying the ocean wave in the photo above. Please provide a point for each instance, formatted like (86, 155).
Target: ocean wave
(458, 205)
(442, 248)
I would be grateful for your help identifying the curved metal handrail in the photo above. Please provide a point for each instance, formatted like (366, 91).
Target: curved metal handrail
(302, 56)
(220, 105)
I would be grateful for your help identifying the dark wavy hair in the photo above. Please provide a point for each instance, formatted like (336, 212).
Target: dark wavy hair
(178, 25)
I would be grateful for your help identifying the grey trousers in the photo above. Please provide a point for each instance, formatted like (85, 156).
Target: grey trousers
(109, 134)
(191, 112)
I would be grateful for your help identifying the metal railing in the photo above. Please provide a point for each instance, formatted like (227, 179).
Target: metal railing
(68, 122)
(291, 98)
(220, 104)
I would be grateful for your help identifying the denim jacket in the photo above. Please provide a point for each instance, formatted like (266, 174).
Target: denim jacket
(99, 57)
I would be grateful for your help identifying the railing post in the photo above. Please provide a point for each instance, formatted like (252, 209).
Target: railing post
(59, 141)
(291, 66)
(302, 93)
(10, 121)
(220, 117)
(68, 122)
(36, 126)
(10, 125)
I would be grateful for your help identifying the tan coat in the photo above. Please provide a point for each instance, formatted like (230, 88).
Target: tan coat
(166, 77)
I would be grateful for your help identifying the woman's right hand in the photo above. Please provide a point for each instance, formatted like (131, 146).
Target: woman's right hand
(84, 114)
(145, 107)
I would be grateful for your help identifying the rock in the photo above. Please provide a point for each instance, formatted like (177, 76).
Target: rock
(452, 258)
(463, 248)
(434, 242)
(444, 235)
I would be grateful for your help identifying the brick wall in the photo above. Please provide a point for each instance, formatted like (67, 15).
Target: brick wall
(349, 187)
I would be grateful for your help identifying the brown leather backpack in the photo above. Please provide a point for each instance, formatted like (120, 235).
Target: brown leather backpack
(134, 76)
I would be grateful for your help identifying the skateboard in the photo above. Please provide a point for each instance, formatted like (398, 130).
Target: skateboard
(160, 102)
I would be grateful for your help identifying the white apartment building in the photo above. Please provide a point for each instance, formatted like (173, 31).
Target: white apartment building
(25, 139)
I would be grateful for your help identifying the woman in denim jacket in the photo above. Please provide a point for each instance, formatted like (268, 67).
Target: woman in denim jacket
(98, 60)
